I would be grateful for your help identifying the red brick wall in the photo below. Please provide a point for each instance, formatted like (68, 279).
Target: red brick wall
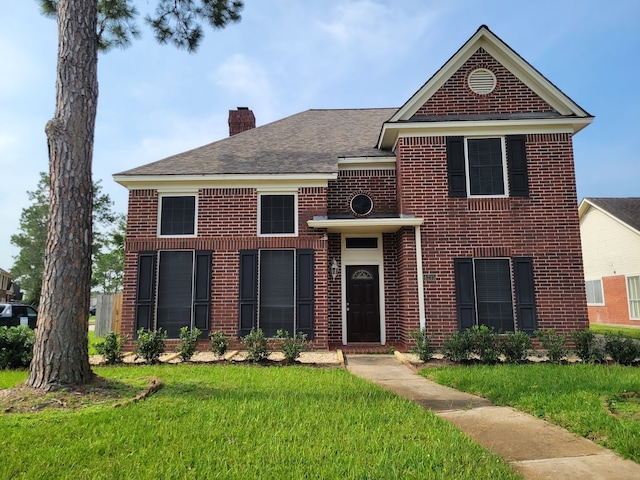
(510, 95)
(543, 226)
(615, 311)
(380, 185)
(227, 223)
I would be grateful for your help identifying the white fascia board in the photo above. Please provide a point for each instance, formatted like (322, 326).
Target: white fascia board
(367, 163)
(364, 225)
(181, 183)
(392, 132)
(585, 205)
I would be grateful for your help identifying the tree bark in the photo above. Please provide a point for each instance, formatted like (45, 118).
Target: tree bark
(60, 355)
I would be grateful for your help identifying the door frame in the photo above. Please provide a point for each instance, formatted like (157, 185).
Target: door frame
(362, 256)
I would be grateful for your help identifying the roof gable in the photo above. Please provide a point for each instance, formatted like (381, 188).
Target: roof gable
(623, 210)
(484, 46)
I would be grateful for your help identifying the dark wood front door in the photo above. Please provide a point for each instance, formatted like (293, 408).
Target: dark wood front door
(363, 305)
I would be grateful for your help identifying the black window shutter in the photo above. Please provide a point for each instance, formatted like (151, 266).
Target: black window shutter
(304, 304)
(145, 290)
(517, 165)
(525, 294)
(465, 292)
(456, 171)
(202, 293)
(248, 291)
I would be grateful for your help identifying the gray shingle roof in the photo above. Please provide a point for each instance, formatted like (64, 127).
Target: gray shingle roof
(307, 142)
(626, 210)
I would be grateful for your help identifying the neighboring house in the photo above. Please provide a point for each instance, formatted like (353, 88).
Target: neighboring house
(5, 286)
(610, 230)
(358, 226)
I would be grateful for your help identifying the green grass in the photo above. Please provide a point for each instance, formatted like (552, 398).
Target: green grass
(598, 402)
(92, 341)
(626, 331)
(242, 422)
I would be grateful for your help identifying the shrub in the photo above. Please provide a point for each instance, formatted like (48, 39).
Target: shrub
(257, 345)
(622, 349)
(484, 343)
(587, 346)
(150, 344)
(219, 343)
(292, 346)
(457, 347)
(16, 346)
(515, 347)
(423, 344)
(553, 343)
(110, 348)
(188, 342)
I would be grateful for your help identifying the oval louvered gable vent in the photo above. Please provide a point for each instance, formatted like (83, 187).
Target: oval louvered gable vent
(482, 81)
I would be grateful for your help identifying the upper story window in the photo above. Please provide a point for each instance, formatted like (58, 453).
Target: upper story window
(177, 215)
(277, 215)
(487, 167)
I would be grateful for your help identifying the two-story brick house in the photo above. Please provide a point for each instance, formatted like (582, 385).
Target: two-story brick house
(358, 226)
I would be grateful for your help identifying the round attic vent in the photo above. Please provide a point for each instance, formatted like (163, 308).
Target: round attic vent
(361, 204)
(482, 81)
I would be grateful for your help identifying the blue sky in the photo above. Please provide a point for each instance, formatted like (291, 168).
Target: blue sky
(287, 56)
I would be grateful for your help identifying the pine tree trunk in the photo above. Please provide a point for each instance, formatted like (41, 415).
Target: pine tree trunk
(60, 356)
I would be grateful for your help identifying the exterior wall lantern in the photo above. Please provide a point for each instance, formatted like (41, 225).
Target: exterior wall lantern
(334, 268)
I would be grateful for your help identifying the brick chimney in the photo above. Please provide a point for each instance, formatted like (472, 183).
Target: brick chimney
(241, 120)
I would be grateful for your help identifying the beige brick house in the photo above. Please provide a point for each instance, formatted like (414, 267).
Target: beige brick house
(358, 226)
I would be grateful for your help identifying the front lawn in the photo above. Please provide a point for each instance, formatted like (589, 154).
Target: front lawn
(240, 422)
(626, 331)
(598, 402)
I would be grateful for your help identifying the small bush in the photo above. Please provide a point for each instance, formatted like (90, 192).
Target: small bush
(484, 343)
(622, 349)
(553, 343)
(150, 344)
(110, 348)
(16, 347)
(587, 346)
(457, 347)
(257, 345)
(292, 347)
(515, 347)
(423, 344)
(219, 343)
(188, 342)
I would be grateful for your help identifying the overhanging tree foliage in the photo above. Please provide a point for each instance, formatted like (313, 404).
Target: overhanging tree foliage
(31, 239)
(60, 356)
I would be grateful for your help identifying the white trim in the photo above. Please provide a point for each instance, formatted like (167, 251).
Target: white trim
(367, 163)
(419, 267)
(364, 225)
(294, 194)
(172, 183)
(363, 256)
(195, 214)
(392, 132)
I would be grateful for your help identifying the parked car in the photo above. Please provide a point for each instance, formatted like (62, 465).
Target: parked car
(14, 314)
(92, 311)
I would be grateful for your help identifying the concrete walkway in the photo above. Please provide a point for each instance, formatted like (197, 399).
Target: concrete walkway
(534, 448)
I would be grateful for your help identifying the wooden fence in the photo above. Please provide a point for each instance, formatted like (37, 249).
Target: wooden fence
(108, 314)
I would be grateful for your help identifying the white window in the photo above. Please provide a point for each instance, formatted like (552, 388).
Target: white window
(633, 294)
(277, 214)
(486, 167)
(594, 292)
(177, 216)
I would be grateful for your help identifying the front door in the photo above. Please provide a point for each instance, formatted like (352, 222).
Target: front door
(363, 304)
